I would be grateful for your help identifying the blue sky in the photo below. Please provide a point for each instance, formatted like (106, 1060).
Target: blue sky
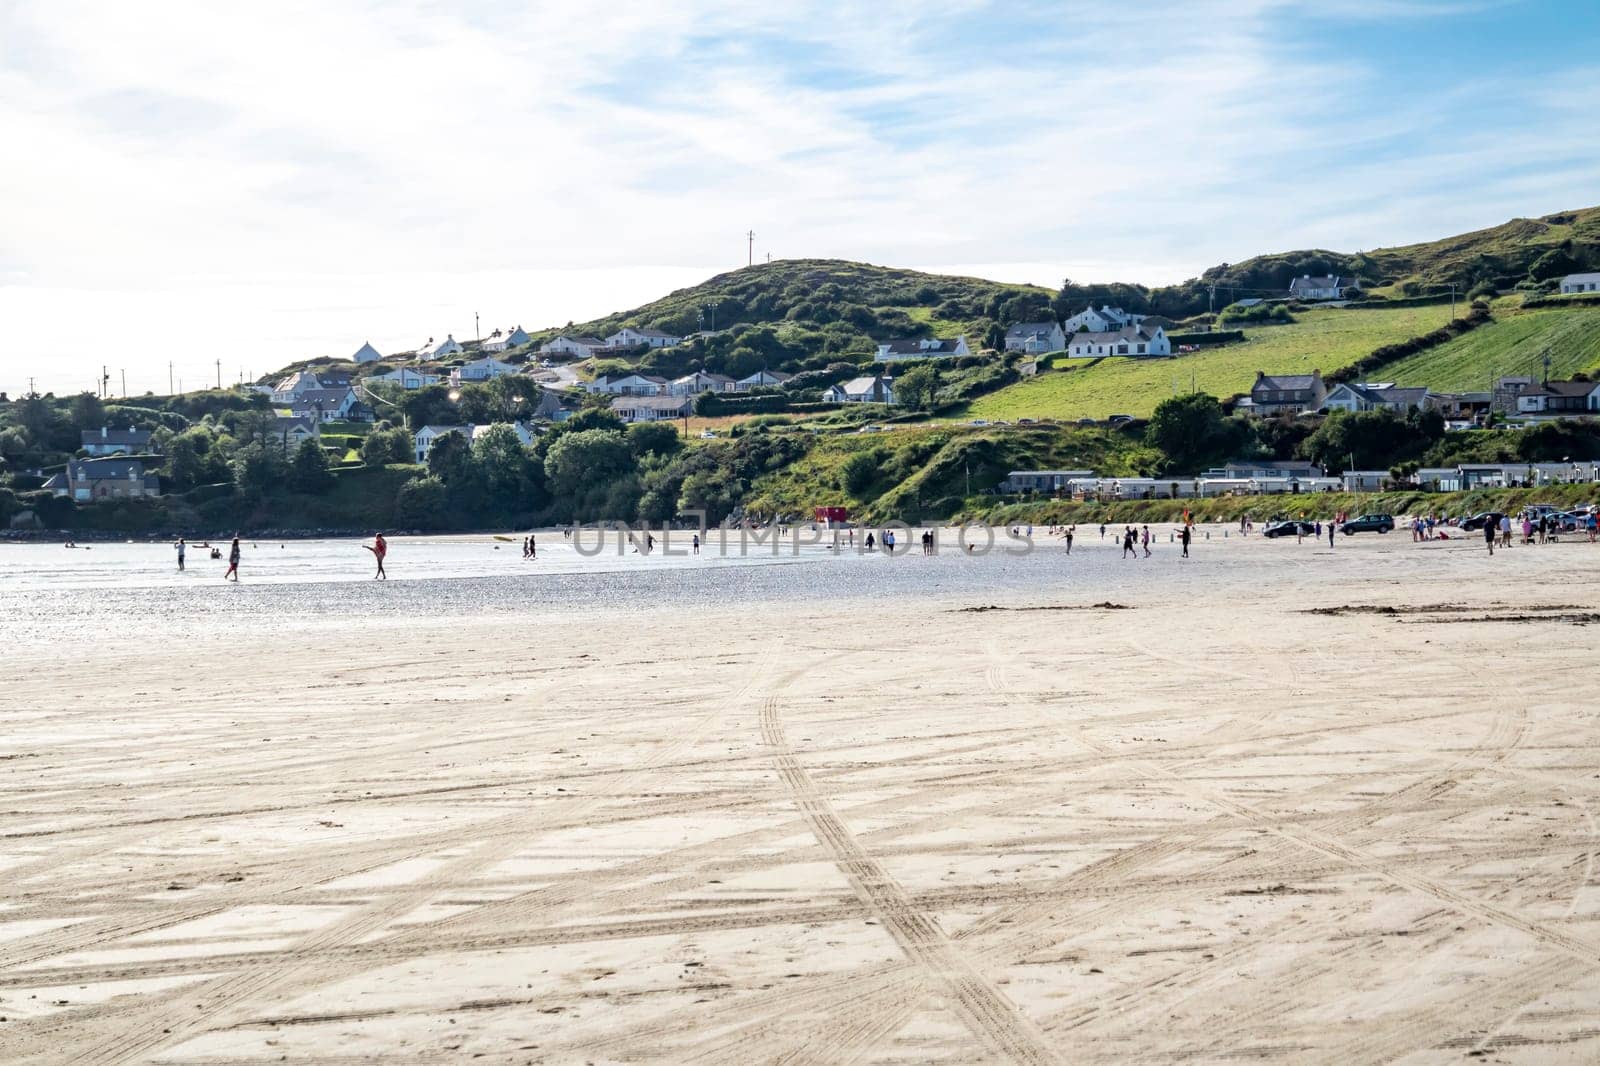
(205, 181)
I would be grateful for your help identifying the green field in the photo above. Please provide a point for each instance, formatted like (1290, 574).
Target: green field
(1515, 343)
(1325, 340)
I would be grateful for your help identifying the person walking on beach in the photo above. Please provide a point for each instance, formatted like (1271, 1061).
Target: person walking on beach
(533, 547)
(870, 542)
(1489, 535)
(1102, 531)
(1127, 543)
(1505, 531)
(1146, 538)
(182, 551)
(695, 543)
(1070, 531)
(233, 561)
(379, 548)
(1183, 536)
(1332, 528)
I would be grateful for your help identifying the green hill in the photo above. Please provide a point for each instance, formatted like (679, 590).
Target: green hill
(1323, 340)
(1514, 343)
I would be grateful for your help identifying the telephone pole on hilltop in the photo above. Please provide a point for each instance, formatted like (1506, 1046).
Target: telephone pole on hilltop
(219, 375)
(751, 238)
(477, 331)
(105, 382)
(124, 383)
(169, 379)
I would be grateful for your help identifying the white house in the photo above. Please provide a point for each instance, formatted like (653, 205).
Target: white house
(1365, 480)
(1128, 340)
(427, 436)
(701, 381)
(483, 369)
(106, 441)
(762, 379)
(501, 342)
(1306, 287)
(292, 431)
(861, 390)
(439, 350)
(1107, 318)
(1036, 338)
(324, 405)
(628, 337)
(1580, 283)
(926, 348)
(1044, 480)
(1560, 398)
(582, 347)
(524, 434)
(650, 408)
(406, 377)
(629, 385)
(367, 354)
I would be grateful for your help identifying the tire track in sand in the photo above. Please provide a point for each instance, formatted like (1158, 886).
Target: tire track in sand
(986, 1011)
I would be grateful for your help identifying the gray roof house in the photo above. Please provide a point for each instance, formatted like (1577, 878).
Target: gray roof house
(1306, 287)
(893, 351)
(1287, 394)
(1036, 338)
(103, 479)
(107, 441)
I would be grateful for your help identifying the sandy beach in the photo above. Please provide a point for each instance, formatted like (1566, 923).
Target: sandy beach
(1277, 803)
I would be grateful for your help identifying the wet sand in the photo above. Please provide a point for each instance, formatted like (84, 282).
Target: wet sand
(1214, 826)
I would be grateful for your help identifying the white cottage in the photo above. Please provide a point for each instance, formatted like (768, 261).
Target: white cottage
(502, 342)
(1129, 340)
(367, 354)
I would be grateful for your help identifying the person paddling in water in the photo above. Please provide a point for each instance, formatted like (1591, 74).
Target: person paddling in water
(233, 561)
(379, 548)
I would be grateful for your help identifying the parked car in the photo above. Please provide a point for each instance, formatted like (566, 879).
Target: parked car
(1370, 523)
(1290, 528)
(1120, 420)
(1086, 422)
(708, 434)
(1025, 422)
(870, 429)
(1477, 520)
(1565, 521)
(978, 422)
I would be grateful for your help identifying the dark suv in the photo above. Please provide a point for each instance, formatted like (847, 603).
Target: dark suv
(1370, 523)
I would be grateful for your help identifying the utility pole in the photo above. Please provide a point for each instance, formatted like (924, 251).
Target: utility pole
(105, 382)
(169, 378)
(751, 237)
(31, 391)
(219, 374)
(477, 331)
(1211, 304)
(124, 383)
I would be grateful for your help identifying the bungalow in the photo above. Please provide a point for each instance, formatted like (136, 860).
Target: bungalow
(439, 350)
(1257, 469)
(701, 381)
(1036, 338)
(1044, 480)
(628, 337)
(1126, 340)
(1560, 398)
(629, 385)
(861, 390)
(406, 377)
(86, 480)
(1288, 394)
(1365, 480)
(895, 351)
(325, 405)
(1438, 478)
(581, 347)
(1580, 283)
(1306, 287)
(428, 436)
(1381, 397)
(483, 369)
(501, 342)
(1107, 318)
(294, 431)
(106, 441)
(761, 379)
(367, 354)
(650, 408)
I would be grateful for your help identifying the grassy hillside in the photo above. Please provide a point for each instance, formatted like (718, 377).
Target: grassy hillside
(1323, 339)
(1515, 343)
(882, 301)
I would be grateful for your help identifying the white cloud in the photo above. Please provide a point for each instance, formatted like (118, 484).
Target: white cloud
(328, 172)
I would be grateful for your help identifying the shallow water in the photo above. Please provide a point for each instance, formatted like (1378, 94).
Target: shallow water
(52, 593)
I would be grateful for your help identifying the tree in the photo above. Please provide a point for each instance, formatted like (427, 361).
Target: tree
(917, 386)
(195, 457)
(502, 464)
(859, 471)
(1187, 430)
(420, 503)
(654, 438)
(87, 411)
(450, 458)
(582, 471)
(259, 469)
(995, 337)
(309, 471)
(383, 446)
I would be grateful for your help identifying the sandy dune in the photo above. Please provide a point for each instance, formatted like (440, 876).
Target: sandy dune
(1220, 829)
